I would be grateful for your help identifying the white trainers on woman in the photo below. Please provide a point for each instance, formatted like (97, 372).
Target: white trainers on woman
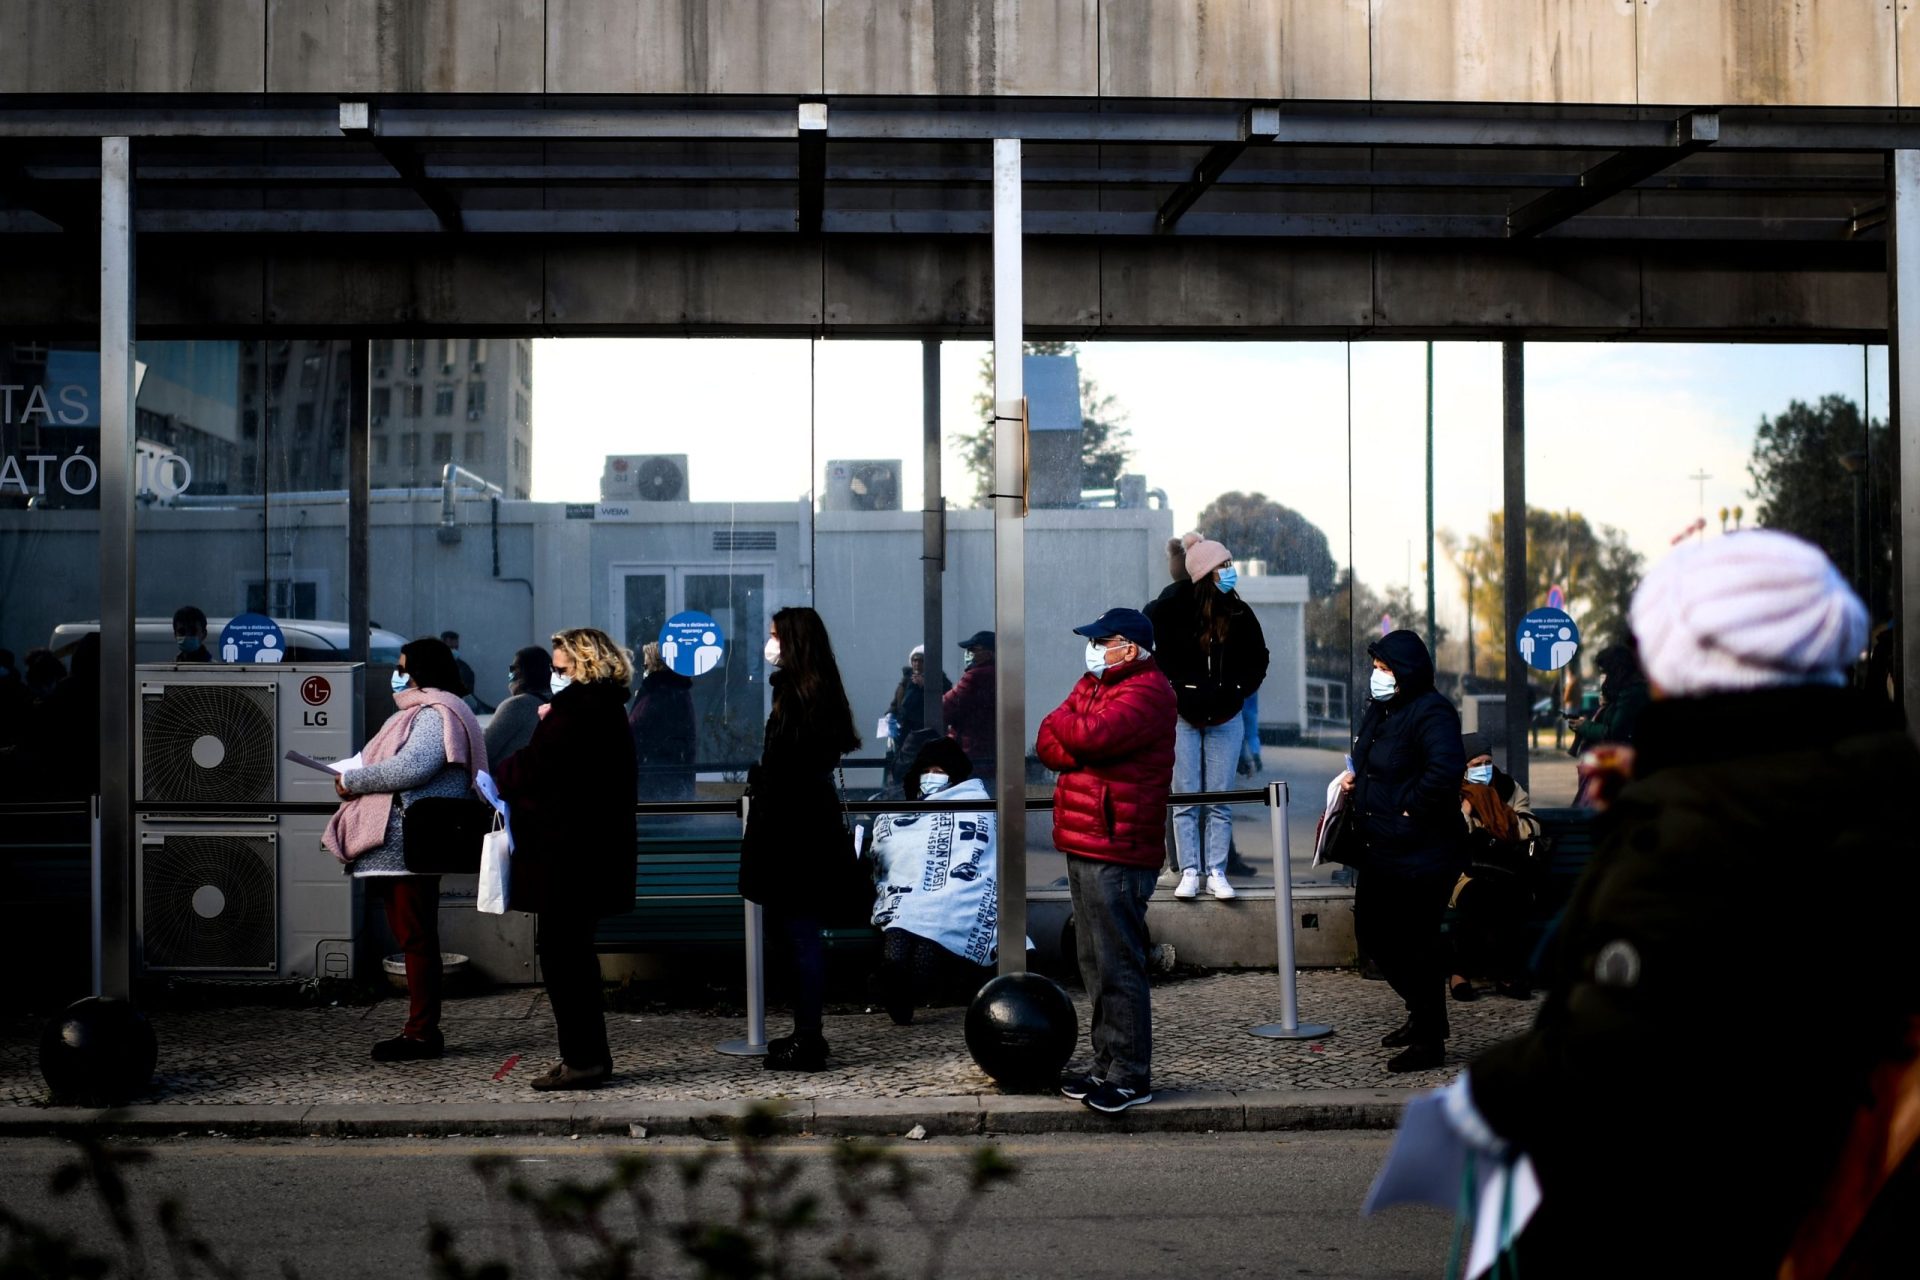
(1189, 886)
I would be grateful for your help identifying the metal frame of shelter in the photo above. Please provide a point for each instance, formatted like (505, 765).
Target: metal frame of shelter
(1760, 188)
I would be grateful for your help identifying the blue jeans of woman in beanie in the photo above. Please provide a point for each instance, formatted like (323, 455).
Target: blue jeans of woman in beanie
(1204, 760)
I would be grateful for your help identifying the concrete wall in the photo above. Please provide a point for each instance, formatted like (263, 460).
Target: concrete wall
(1074, 289)
(1656, 52)
(1280, 602)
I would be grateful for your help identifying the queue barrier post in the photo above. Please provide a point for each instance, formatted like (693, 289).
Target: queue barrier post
(754, 1045)
(1289, 1027)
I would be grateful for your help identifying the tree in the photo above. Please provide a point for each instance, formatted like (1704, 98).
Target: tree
(1106, 445)
(1255, 527)
(1342, 623)
(1803, 486)
(1596, 568)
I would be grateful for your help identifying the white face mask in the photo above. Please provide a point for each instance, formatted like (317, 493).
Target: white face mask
(771, 652)
(932, 784)
(1096, 657)
(1480, 773)
(560, 682)
(1382, 685)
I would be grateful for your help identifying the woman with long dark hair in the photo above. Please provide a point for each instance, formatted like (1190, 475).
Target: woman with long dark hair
(796, 855)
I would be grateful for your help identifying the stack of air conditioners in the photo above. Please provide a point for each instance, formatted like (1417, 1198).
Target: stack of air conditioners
(242, 894)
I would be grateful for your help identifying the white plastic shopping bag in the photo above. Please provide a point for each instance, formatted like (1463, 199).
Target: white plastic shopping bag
(496, 863)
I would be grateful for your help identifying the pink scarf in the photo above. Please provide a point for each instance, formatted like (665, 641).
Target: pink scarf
(359, 826)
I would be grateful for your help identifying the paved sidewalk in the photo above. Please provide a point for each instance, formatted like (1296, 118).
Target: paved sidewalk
(308, 1070)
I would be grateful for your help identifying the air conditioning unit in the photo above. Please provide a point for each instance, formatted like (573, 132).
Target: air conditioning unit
(473, 415)
(642, 477)
(242, 893)
(862, 484)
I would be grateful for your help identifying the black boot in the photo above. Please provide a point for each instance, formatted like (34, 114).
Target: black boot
(801, 1051)
(407, 1049)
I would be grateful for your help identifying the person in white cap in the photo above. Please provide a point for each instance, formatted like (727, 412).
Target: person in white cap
(1694, 1078)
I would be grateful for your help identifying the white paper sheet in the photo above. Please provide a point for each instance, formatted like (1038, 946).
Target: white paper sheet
(338, 766)
(1487, 1239)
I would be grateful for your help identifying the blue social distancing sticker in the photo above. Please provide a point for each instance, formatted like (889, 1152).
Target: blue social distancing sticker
(253, 637)
(692, 643)
(1547, 639)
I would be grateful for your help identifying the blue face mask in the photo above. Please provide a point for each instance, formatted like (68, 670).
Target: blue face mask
(189, 644)
(1382, 685)
(400, 680)
(1480, 773)
(932, 784)
(1229, 578)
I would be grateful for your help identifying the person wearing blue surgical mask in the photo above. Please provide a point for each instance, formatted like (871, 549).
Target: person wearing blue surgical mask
(190, 635)
(1405, 838)
(1493, 896)
(1212, 649)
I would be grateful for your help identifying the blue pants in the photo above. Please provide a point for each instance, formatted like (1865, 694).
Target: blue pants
(1204, 760)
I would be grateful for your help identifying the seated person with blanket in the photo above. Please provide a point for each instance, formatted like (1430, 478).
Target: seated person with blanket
(1494, 893)
(934, 886)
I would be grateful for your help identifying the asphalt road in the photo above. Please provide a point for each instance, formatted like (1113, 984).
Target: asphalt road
(1172, 1206)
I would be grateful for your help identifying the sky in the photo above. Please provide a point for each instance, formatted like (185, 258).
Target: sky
(1615, 430)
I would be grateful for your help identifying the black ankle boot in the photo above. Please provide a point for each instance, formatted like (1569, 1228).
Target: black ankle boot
(1424, 1055)
(801, 1051)
(1399, 1036)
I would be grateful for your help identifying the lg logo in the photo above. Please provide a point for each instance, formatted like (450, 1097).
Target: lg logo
(315, 691)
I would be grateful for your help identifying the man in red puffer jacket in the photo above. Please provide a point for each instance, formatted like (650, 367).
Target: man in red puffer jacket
(1111, 742)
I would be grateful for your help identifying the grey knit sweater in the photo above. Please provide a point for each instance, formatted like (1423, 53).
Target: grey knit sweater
(419, 768)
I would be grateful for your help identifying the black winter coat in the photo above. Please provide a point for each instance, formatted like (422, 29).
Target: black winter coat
(571, 791)
(796, 850)
(1647, 1093)
(1407, 765)
(1211, 684)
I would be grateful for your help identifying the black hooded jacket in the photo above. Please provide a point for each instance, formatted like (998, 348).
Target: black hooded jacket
(1407, 763)
(1212, 683)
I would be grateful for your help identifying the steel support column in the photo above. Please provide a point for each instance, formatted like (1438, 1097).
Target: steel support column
(359, 500)
(116, 567)
(933, 549)
(1009, 556)
(1903, 356)
(1519, 700)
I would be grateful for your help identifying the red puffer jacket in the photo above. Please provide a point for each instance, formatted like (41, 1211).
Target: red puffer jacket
(1111, 742)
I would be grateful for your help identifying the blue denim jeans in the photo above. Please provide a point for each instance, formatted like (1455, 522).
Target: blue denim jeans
(1110, 935)
(1250, 730)
(1204, 760)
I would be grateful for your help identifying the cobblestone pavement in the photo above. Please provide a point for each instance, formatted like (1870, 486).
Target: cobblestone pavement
(295, 1057)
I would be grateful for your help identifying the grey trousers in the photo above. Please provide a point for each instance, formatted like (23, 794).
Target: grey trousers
(1110, 926)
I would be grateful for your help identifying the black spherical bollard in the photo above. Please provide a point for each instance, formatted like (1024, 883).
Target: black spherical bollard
(100, 1051)
(1021, 1029)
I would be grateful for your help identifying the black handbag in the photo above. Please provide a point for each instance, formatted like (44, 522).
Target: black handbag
(441, 835)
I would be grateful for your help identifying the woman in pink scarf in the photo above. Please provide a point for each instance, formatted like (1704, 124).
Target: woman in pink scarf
(431, 747)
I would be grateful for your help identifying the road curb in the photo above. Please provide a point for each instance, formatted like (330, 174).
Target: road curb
(965, 1115)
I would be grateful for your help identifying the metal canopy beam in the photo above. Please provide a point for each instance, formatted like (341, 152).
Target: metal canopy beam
(1475, 126)
(1216, 162)
(1691, 133)
(357, 120)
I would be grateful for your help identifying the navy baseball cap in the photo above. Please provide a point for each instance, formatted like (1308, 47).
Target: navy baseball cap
(1128, 624)
(978, 640)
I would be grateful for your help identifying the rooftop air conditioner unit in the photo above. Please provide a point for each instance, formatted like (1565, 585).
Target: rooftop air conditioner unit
(862, 484)
(248, 893)
(640, 477)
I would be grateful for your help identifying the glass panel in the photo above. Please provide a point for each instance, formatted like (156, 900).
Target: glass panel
(730, 710)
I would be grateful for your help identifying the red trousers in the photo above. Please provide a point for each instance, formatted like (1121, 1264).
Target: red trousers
(413, 914)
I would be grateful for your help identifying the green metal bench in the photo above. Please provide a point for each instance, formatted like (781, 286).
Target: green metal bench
(687, 896)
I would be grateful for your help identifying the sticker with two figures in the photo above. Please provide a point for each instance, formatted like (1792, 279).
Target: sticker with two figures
(692, 643)
(253, 637)
(1547, 639)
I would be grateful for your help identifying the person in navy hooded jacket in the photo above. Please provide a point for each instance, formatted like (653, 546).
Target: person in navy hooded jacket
(1404, 790)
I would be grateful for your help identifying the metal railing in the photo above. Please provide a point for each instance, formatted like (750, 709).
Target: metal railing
(1276, 796)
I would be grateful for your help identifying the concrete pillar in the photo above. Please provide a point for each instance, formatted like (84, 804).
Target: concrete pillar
(1903, 355)
(1514, 446)
(933, 549)
(117, 835)
(1009, 556)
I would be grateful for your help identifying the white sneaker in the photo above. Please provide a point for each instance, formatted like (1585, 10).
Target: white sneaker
(1189, 886)
(1217, 886)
